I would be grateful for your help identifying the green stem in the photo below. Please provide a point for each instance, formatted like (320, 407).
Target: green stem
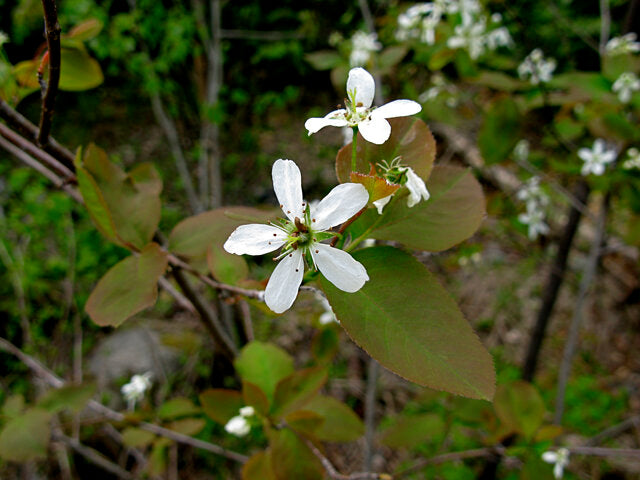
(354, 243)
(353, 148)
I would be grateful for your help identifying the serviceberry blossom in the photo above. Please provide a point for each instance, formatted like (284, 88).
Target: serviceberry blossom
(625, 85)
(536, 68)
(596, 158)
(622, 45)
(395, 172)
(300, 236)
(371, 122)
(559, 458)
(531, 193)
(135, 389)
(633, 159)
(239, 425)
(534, 219)
(421, 20)
(4, 38)
(362, 46)
(521, 150)
(470, 35)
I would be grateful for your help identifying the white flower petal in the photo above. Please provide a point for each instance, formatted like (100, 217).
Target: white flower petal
(342, 203)
(284, 283)
(332, 119)
(364, 86)
(397, 108)
(287, 183)
(550, 457)
(376, 130)
(255, 239)
(339, 267)
(417, 189)
(558, 470)
(238, 426)
(380, 204)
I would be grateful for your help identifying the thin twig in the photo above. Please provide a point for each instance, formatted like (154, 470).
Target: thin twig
(605, 26)
(67, 175)
(52, 31)
(247, 324)
(29, 130)
(605, 452)
(258, 35)
(333, 473)
(33, 163)
(93, 456)
(56, 382)
(180, 299)
(171, 132)
(614, 431)
(451, 457)
(590, 270)
(373, 372)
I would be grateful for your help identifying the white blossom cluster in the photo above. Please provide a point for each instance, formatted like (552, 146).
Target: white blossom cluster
(625, 85)
(239, 425)
(134, 390)
(596, 158)
(536, 200)
(559, 459)
(536, 68)
(623, 45)
(633, 159)
(473, 32)
(362, 46)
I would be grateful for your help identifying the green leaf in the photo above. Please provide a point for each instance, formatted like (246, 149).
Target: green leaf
(264, 365)
(177, 407)
(340, 424)
(452, 214)
(136, 437)
(193, 236)
(409, 431)
(294, 391)
(258, 467)
(499, 81)
(187, 426)
(390, 57)
(73, 397)
(324, 345)
(26, 437)
(410, 139)
(323, 59)
(226, 267)
(404, 319)
(78, 71)
(519, 407)
(13, 406)
(125, 207)
(220, 404)
(128, 287)
(255, 397)
(157, 463)
(305, 422)
(500, 131)
(291, 458)
(86, 30)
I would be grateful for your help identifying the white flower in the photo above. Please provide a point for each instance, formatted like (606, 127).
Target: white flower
(306, 226)
(362, 46)
(4, 38)
(470, 36)
(417, 190)
(521, 150)
(634, 159)
(371, 123)
(247, 411)
(597, 158)
(536, 68)
(530, 192)
(624, 44)
(625, 85)
(560, 459)
(534, 219)
(499, 37)
(135, 389)
(238, 426)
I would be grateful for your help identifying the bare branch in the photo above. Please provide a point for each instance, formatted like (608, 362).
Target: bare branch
(30, 131)
(605, 26)
(52, 30)
(452, 457)
(333, 473)
(258, 35)
(614, 431)
(606, 452)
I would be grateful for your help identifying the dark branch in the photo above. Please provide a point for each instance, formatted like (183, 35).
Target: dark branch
(52, 30)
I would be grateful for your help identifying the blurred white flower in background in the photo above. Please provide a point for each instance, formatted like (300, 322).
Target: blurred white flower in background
(534, 219)
(597, 158)
(239, 425)
(134, 390)
(633, 159)
(362, 46)
(4, 38)
(622, 45)
(536, 68)
(521, 150)
(560, 459)
(625, 85)
(327, 316)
